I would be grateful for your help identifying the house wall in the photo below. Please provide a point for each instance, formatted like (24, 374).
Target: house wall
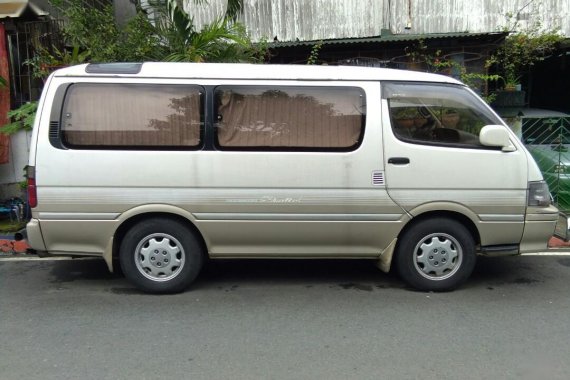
(13, 172)
(305, 20)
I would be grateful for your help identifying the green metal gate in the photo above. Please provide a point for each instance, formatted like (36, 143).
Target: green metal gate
(548, 140)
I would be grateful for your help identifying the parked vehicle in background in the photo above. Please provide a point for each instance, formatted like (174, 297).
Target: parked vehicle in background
(546, 134)
(159, 166)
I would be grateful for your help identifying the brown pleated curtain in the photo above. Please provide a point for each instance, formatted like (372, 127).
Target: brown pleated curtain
(161, 115)
(314, 119)
(132, 115)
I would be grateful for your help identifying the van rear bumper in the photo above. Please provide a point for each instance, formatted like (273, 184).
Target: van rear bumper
(538, 229)
(35, 238)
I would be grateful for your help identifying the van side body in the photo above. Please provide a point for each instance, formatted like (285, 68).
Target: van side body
(270, 161)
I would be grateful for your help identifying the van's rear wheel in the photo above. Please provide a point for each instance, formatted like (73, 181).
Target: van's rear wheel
(160, 256)
(436, 254)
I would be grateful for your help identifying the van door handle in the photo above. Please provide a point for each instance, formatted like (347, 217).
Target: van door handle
(398, 160)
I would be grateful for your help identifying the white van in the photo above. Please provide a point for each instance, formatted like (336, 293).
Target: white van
(159, 166)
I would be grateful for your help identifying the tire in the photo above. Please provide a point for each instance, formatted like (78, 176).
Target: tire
(449, 262)
(161, 256)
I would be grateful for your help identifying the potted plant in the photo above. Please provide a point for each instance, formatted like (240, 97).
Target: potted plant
(404, 117)
(450, 118)
(511, 77)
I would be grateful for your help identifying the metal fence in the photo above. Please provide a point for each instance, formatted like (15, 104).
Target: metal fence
(23, 39)
(548, 140)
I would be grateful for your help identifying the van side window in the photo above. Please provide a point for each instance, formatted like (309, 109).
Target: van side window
(436, 114)
(135, 116)
(289, 118)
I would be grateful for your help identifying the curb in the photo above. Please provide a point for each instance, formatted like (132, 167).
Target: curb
(9, 246)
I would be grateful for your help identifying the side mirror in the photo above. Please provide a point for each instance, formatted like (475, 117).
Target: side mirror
(496, 135)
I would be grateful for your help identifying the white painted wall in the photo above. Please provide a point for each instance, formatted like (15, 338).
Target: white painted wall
(13, 172)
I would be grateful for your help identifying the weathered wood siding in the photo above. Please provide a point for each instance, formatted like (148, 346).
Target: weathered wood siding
(323, 19)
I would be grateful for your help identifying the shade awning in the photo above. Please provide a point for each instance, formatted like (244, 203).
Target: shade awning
(15, 8)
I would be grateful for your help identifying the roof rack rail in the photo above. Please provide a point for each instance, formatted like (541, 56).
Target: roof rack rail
(113, 68)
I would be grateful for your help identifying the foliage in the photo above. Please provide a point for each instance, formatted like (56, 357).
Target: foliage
(9, 226)
(22, 118)
(417, 52)
(405, 112)
(477, 80)
(435, 62)
(43, 62)
(91, 28)
(223, 40)
(522, 49)
(173, 36)
(314, 56)
(95, 30)
(234, 7)
(95, 36)
(137, 40)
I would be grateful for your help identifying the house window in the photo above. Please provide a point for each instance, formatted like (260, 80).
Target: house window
(136, 116)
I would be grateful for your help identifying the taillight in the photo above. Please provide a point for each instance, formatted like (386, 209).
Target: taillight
(32, 191)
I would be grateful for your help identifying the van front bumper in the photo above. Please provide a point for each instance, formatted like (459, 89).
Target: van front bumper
(35, 238)
(539, 227)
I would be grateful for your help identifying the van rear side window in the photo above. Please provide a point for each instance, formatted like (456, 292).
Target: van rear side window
(289, 118)
(135, 116)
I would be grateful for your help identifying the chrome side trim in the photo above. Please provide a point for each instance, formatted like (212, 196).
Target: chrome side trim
(304, 217)
(78, 215)
(501, 218)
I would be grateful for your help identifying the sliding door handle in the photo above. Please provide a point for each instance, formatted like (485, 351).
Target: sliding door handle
(398, 160)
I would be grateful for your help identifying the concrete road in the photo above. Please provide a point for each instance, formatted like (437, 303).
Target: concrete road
(285, 320)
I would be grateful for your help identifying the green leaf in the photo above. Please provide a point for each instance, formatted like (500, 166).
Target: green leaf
(22, 118)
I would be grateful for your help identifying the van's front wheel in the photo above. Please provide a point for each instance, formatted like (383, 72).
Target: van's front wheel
(436, 254)
(160, 256)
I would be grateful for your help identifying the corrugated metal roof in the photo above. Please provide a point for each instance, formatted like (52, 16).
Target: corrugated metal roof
(310, 20)
(386, 38)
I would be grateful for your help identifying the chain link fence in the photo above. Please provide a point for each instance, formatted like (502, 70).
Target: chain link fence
(548, 140)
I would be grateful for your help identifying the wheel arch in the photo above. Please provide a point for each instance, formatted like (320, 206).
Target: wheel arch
(136, 215)
(454, 212)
